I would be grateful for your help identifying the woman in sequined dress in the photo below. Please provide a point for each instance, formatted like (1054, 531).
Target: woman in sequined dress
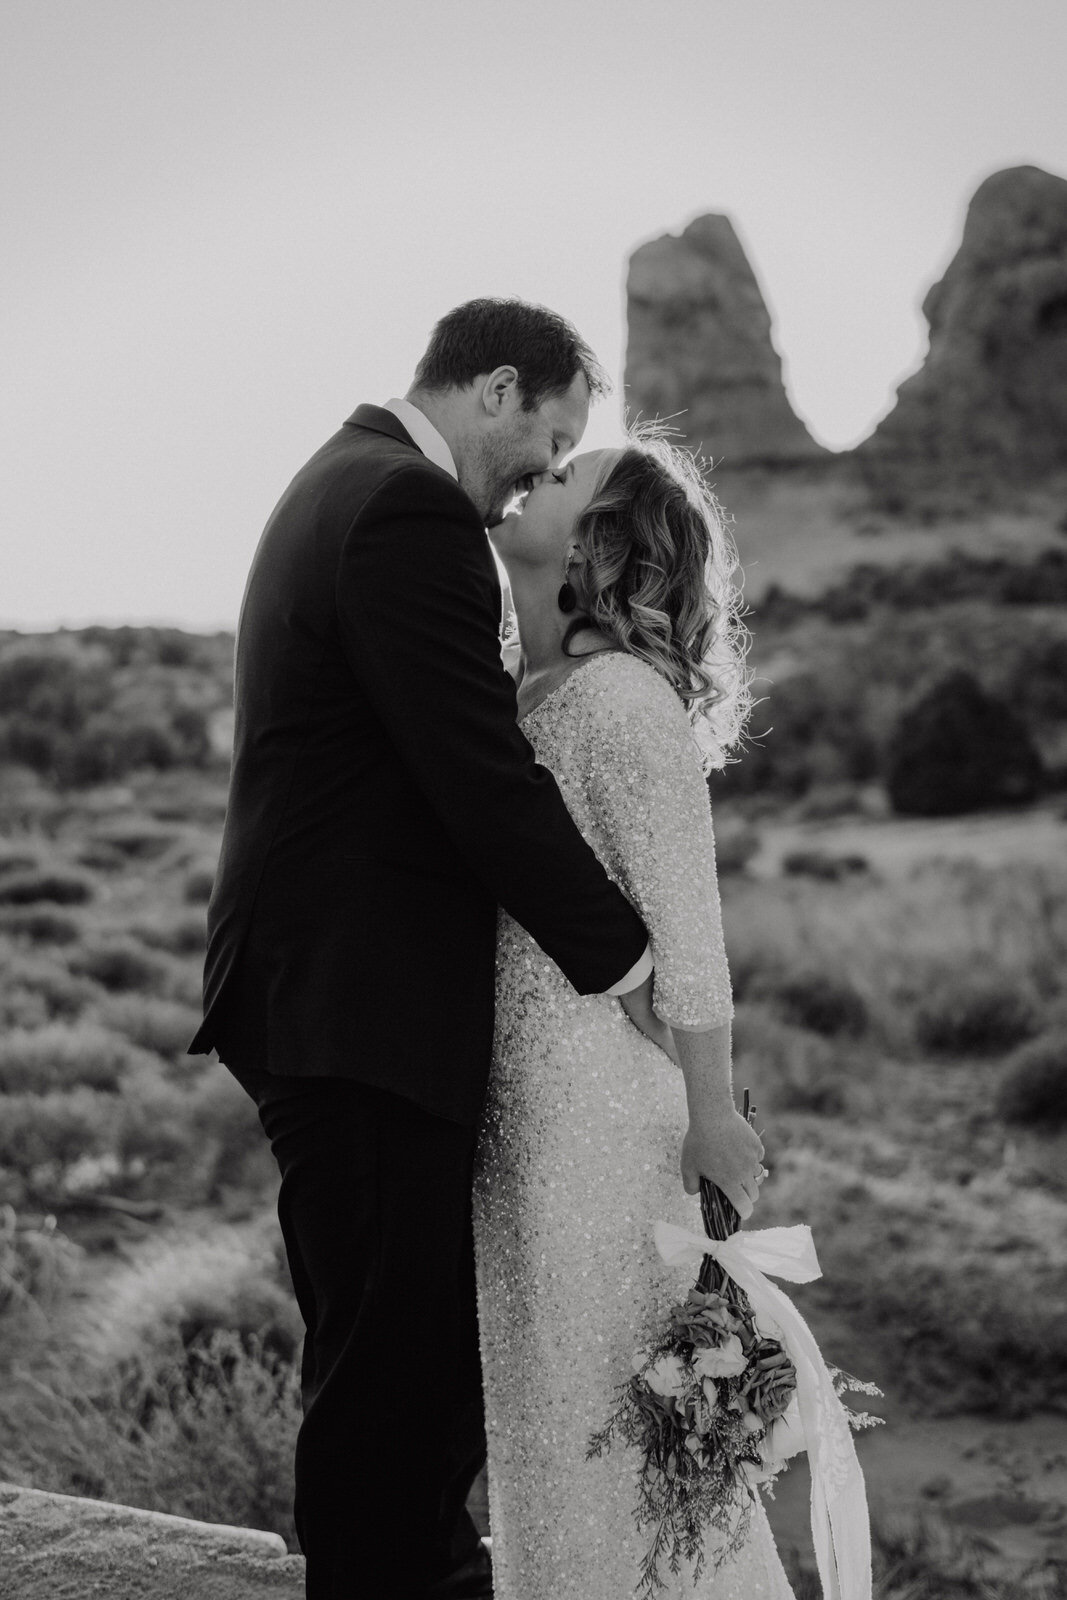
(631, 686)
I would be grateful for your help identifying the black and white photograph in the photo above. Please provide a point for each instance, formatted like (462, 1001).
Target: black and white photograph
(533, 800)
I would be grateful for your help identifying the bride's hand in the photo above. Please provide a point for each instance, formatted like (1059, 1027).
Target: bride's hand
(726, 1150)
(638, 1007)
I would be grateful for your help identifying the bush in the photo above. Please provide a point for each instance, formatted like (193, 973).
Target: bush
(162, 1026)
(820, 864)
(1033, 1090)
(58, 1057)
(35, 990)
(39, 927)
(44, 1136)
(36, 1260)
(959, 749)
(28, 888)
(16, 861)
(789, 1070)
(823, 1004)
(136, 839)
(970, 1015)
(119, 965)
(198, 886)
(155, 1126)
(816, 1001)
(161, 1302)
(210, 1435)
(185, 936)
(735, 846)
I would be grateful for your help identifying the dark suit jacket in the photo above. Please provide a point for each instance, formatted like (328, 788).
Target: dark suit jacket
(383, 800)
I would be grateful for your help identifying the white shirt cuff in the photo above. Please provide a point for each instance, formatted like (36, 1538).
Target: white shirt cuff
(636, 975)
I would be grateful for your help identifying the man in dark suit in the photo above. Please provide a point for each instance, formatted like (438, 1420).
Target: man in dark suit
(383, 803)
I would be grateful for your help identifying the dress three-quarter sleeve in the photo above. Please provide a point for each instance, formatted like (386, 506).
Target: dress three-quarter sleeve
(651, 815)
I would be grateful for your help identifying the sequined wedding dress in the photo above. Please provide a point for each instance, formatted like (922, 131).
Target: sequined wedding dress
(579, 1156)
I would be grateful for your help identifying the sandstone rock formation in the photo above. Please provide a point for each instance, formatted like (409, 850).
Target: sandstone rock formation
(700, 345)
(989, 407)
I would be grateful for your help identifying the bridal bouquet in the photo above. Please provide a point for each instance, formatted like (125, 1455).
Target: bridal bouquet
(717, 1405)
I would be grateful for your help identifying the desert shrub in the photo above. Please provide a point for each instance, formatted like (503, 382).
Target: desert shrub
(809, 732)
(230, 1278)
(162, 1026)
(1033, 1090)
(921, 1560)
(119, 965)
(787, 1068)
(154, 1126)
(818, 1001)
(959, 749)
(184, 936)
(210, 1435)
(60, 1057)
(963, 1013)
(198, 886)
(228, 1125)
(59, 888)
(735, 846)
(36, 1260)
(800, 993)
(110, 747)
(50, 686)
(101, 858)
(136, 839)
(35, 989)
(821, 864)
(16, 861)
(44, 1138)
(39, 926)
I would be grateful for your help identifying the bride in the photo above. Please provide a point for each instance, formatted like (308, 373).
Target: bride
(631, 685)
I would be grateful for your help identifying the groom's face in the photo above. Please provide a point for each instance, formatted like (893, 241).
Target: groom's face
(527, 443)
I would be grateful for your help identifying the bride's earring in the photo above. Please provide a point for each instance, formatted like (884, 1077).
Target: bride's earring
(568, 597)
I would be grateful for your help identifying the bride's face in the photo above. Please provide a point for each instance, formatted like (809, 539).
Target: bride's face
(538, 537)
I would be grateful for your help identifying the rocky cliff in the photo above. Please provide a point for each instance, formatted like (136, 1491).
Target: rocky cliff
(989, 406)
(986, 413)
(699, 350)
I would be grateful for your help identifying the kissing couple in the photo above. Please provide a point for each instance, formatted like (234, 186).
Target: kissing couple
(466, 955)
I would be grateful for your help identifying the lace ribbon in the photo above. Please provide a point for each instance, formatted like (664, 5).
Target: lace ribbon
(840, 1527)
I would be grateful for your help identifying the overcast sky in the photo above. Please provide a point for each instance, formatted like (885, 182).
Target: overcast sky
(230, 221)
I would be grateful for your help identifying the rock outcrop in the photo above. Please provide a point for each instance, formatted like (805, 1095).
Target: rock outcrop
(60, 1547)
(989, 406)
(699, 351)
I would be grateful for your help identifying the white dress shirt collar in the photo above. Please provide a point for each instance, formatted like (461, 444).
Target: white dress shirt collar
(424, 434)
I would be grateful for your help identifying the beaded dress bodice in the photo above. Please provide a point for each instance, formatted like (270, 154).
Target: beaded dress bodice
(578, 1156)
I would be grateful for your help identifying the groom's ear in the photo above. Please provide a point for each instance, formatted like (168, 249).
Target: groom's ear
(500, 391)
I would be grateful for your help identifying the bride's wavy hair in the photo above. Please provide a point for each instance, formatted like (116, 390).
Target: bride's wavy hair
(658, 580)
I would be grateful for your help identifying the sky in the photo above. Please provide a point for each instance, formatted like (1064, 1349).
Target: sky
(228, 222)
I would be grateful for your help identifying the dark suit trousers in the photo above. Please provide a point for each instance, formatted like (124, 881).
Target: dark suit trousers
(375, 1212)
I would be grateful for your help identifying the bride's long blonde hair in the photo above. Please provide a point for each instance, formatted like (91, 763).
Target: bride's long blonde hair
(658, 579)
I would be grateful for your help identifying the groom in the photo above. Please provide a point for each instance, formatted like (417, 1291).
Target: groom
(383, 803)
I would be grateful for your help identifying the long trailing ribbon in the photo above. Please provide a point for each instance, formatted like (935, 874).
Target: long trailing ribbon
(840, 1527)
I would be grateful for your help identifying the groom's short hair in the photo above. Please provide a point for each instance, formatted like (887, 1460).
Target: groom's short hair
(481, 335)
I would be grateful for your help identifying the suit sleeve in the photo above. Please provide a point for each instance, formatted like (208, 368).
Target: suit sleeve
(418, 604)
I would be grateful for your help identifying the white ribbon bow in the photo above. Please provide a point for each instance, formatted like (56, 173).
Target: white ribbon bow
(840, 1527)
